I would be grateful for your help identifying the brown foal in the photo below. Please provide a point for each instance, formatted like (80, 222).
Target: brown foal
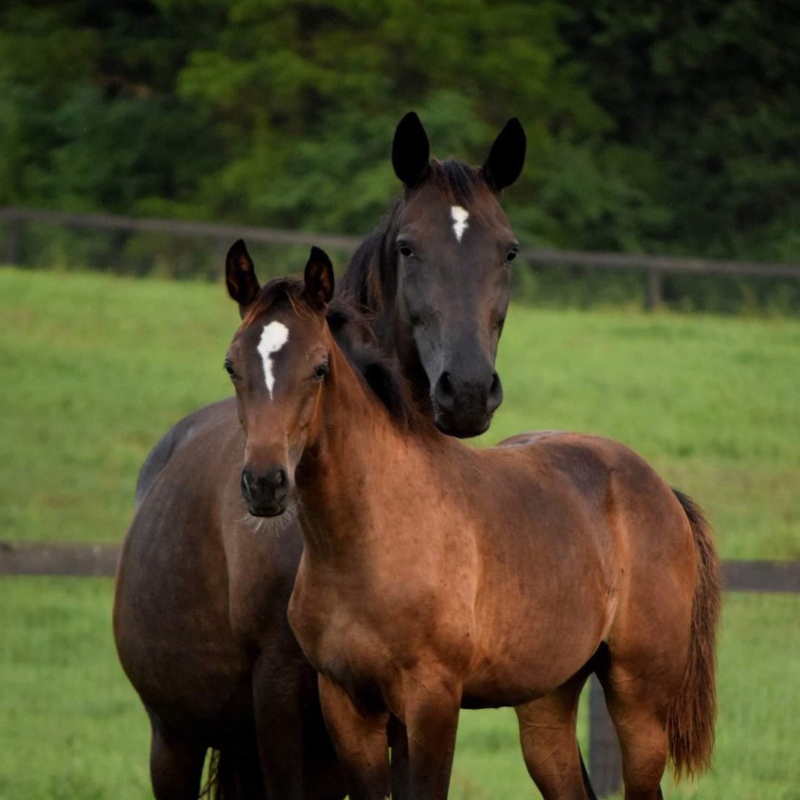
(435, 576)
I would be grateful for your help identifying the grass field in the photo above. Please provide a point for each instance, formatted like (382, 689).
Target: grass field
(93, 369)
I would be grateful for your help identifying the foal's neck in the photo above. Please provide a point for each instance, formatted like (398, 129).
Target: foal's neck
(360, 456)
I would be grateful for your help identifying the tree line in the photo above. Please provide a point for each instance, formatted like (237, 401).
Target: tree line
(667, 127)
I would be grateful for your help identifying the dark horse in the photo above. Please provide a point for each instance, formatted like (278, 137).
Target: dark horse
(435, 576)
(203, 585)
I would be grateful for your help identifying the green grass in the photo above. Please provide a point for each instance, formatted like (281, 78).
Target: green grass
(94, 369)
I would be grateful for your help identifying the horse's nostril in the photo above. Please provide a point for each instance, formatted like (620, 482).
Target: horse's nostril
(246, 483)
(495, 394)
(444, 394)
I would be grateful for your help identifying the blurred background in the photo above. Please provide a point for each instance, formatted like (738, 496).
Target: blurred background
(666, 129)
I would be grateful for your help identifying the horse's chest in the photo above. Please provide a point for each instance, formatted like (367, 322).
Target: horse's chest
(367, 638)
(335, 637)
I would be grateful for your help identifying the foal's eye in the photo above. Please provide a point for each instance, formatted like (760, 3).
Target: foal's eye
(229, 368)
(321, 371)
(405, 249)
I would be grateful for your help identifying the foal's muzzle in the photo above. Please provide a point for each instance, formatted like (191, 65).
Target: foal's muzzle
(267, 493)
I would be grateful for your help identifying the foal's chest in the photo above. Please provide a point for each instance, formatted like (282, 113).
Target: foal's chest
(338, 636)
(366, 633)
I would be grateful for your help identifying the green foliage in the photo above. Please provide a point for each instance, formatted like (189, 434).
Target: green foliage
(661, 128)
(710, 91)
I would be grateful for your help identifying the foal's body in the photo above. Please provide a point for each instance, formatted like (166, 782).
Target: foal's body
(434, 576)
(442, 576)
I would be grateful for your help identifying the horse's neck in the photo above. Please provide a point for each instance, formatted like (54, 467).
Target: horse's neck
(359, 459)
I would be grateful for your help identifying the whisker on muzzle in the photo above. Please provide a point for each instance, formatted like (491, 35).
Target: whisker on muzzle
(271, 525)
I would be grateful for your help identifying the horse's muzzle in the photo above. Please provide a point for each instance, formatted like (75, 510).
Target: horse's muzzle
(464, 407)
(266, 494)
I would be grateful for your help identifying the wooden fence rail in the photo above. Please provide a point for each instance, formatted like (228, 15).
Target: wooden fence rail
(605, 768)
(655, 267)
(99, 560)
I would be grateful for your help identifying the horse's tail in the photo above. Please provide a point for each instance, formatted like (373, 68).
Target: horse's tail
(690, 724)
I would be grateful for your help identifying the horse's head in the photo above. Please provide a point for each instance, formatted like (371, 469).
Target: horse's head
(278, 361)
(447, 256)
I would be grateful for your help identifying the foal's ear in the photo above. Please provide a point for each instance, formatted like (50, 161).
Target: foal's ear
(240, 276)
(507, 156)
(410, 151)
(318, 278)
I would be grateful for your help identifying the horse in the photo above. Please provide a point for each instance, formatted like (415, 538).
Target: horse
(435, 576)
(202, 585)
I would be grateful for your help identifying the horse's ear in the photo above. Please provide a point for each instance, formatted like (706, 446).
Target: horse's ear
(240, 276)
(507, 156)
(318, 278)
(410, 151)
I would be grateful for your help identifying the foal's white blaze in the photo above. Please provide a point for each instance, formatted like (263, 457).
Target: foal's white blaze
(460, 216)
(273, 337)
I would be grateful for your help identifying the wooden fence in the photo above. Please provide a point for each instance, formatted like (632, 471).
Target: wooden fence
(17, 558)
(655, 267)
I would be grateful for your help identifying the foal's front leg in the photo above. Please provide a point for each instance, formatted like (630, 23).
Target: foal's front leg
(431, 706)
(360, 741)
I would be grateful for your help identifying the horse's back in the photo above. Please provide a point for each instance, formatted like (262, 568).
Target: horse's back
(177, 437)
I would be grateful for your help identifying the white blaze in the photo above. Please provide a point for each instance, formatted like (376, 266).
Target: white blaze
(460, 216)
(273, 337)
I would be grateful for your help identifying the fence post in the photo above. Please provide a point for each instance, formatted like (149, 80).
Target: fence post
(605, 762)
(655, 279)
(11, 255)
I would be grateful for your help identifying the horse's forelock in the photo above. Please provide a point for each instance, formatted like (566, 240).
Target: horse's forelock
(456, 181)
(276, 293)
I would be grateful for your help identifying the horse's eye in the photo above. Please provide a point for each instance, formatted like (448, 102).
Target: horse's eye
(405, 249)
(321, 371)
(512, 254)
(229, 368)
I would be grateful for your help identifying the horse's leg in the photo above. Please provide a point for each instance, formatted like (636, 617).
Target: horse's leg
(431, 714)
(638, 701)
(176, 765)
(398, 741)
(550, 746)
(360, 741)
(248, 775)
(278, 700)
